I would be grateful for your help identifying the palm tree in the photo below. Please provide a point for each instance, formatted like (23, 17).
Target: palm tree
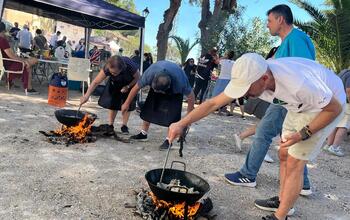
(183, 47)
(330, 31)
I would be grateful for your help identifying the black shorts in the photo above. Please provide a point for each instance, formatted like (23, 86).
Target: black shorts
(24, 50)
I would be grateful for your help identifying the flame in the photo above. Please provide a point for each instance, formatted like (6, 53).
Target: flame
(78, 132)
(178, 210)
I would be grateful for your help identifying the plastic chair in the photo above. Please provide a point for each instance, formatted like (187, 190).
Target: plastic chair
(79, 70)
(3, 70)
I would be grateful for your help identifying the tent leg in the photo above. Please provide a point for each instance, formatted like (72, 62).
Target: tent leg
(142, 46)
(2, 7)
(87, 41)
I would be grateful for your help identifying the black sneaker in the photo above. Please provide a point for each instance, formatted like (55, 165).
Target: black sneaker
(32, 92)
(140, 137)
(165, 145)
(270, 204)
(109, 131)
(124, 129)
(271, 217)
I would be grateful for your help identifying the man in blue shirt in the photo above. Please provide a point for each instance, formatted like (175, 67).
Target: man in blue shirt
(295, 43)
(163, 104)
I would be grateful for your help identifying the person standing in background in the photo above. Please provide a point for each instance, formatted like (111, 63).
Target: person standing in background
(148, 61)
(190, 69)
(337, 136)
(136, 58)
(25, 39)
(40, 42)
(54, 39)
(14, 40)
(206, 64)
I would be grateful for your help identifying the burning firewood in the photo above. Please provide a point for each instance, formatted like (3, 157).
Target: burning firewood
(148, 206)
(84, 132)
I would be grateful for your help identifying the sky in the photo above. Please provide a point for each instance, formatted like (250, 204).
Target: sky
(189, 16)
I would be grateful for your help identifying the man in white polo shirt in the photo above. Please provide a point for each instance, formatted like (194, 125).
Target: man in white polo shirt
(315, 100)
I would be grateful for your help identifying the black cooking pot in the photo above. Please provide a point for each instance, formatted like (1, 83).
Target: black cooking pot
(186, 179)
(71, 118)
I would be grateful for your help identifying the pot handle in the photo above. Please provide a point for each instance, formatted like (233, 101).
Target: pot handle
(180, 162)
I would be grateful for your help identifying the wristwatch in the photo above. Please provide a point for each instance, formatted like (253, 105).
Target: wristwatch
(305, 133)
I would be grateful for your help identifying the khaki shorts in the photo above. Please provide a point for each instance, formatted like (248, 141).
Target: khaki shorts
(345, 121)
(310, 148)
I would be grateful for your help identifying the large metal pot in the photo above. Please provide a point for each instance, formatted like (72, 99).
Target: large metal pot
(71, 118)
(186, 178)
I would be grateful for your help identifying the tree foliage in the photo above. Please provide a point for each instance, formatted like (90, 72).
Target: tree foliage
(330, 32)
(128, 5)
(183, 46)
(243, 37)
(132, 44)
(213, 21)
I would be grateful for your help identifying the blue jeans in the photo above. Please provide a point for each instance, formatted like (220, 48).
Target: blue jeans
(269, 127)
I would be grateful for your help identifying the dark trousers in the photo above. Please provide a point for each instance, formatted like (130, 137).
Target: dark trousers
(200, 86)
(24, 50)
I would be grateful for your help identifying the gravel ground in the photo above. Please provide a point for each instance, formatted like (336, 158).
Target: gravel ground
(40, 180)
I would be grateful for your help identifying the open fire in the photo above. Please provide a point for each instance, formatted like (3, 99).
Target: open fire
(84, 132)
(80, 133)
(148, 206)
(177, 209)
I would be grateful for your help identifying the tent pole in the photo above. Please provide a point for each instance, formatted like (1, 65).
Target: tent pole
(142, 42)
(142, 34)
(87, 41)
(2, 7)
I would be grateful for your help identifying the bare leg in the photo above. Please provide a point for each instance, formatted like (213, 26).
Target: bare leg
(231, 108)
(31, 62)
(330, 138)
(292, 185)
(145, 126)
(339, 136)
(29, 78)
(126, 116)
(111, 116)
(242, 109)
(283, 154)
(248, 132)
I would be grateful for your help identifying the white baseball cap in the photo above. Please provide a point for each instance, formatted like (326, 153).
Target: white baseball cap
(246, 70)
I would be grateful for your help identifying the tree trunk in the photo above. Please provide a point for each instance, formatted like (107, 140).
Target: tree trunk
(212, 24)
(165, 28)
(203, 24)
(229, 5)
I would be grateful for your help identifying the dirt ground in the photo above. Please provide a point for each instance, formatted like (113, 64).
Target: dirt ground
(40, 180)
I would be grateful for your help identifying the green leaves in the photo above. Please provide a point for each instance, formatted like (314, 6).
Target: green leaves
(183, 46)
(330, 32)
(243, 37)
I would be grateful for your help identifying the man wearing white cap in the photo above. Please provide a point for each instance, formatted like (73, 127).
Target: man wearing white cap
(315, 100)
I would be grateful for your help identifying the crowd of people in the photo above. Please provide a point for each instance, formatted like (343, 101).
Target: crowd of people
(18, 44)
(308, 103)
(302, 114)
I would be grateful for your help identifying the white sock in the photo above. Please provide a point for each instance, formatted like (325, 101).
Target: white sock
(144, 132)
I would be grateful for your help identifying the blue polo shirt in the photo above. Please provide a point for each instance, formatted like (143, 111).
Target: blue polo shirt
(296, 44)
